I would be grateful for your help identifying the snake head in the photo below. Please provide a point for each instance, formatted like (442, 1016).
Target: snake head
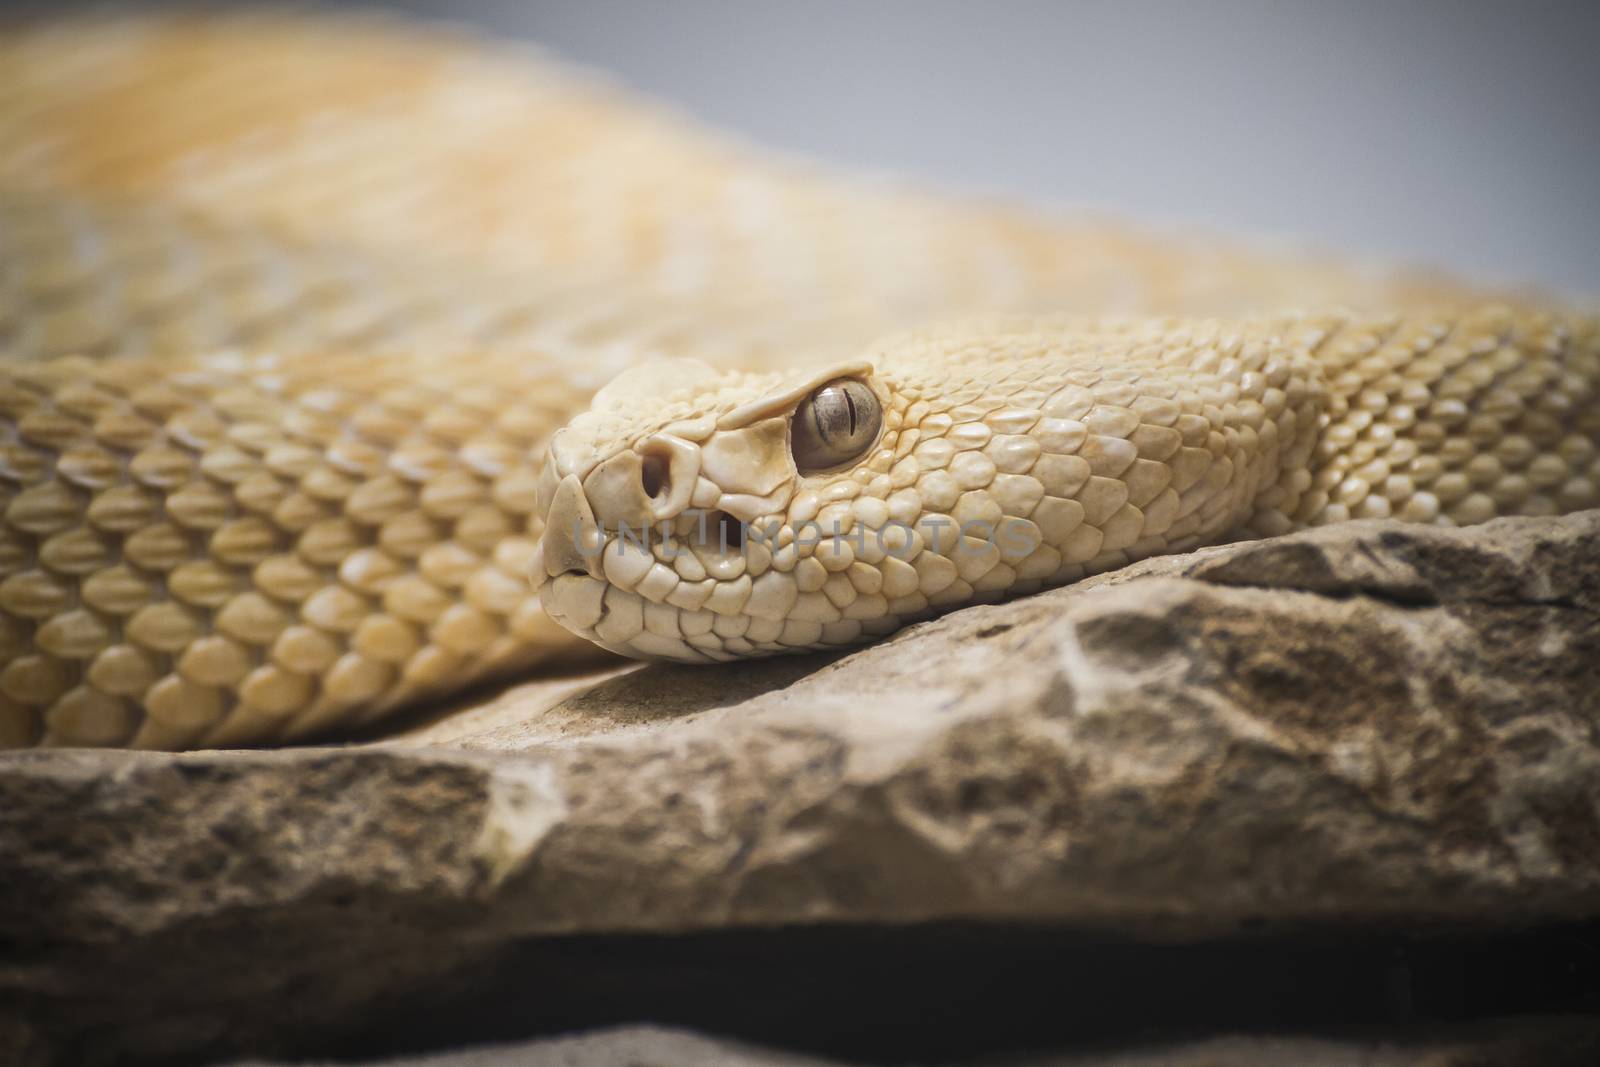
(700, 516)
(671, 507)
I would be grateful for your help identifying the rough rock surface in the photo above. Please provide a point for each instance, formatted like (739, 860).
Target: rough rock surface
(1547, 1042)
(1370, 724)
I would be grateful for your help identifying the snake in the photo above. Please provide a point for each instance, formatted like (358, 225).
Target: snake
(347, 363)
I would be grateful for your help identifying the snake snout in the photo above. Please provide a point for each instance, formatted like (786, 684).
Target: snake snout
(572, 541)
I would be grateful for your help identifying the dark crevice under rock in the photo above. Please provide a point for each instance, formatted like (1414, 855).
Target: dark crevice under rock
(959, 992)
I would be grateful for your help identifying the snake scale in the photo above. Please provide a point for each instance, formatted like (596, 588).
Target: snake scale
(305, 323)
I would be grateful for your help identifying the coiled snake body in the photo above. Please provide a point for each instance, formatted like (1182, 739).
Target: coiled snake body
(293, 311)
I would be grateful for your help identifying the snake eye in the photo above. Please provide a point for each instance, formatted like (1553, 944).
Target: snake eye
(834, 425)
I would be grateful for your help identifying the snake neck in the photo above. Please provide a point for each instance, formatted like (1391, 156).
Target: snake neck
(1450, 418)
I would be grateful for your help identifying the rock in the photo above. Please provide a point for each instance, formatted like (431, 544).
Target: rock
(1548, 1042)
(1346, 729)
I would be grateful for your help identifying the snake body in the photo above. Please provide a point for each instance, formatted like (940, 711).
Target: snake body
(1019, 455)
(294, 311)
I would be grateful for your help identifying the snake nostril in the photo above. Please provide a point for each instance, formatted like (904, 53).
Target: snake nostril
(655, 476)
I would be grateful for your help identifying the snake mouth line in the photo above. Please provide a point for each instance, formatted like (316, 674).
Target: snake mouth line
(708, 587)
(718, 536)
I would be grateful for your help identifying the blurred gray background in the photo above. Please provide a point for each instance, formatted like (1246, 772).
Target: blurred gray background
(1463, 134)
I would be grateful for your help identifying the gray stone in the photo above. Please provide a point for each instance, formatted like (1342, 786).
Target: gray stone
(1365, 725)
(1550, 1042)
